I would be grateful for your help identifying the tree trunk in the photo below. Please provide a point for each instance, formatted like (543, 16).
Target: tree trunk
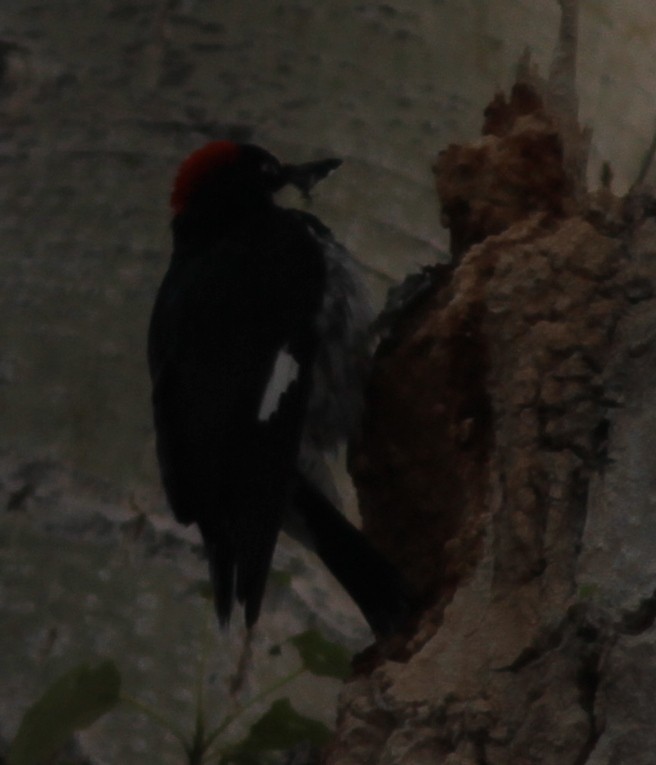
(506, 466)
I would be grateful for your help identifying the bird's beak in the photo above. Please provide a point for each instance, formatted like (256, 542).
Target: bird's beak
(306, 176)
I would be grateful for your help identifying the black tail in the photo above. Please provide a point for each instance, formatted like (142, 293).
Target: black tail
(221, 559)
(370, 579)
(237, 574)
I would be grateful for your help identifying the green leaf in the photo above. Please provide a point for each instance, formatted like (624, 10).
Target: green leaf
(321, 657)
(281, 727)
(71, 703)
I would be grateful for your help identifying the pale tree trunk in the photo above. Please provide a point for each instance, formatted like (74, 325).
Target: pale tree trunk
(507, 464)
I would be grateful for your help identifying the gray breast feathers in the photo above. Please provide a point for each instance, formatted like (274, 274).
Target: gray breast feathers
(343, 358)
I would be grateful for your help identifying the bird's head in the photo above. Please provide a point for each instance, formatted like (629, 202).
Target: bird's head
(230, 174)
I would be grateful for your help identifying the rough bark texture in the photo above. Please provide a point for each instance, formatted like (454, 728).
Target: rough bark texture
(482, 470)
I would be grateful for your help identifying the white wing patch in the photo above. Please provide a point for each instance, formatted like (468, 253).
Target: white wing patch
(285, 372)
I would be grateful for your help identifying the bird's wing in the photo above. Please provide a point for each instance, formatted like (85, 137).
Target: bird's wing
(230, 347)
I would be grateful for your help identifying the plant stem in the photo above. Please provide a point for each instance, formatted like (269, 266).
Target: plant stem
(211, 738)
(156, 717)
(198, 748)
(201, 669)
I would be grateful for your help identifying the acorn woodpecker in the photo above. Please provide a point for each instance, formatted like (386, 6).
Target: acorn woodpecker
(258, 350)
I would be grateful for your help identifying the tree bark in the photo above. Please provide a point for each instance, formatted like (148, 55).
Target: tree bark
(506, 466)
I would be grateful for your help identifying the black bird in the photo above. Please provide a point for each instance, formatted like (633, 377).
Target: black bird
(258, 350)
